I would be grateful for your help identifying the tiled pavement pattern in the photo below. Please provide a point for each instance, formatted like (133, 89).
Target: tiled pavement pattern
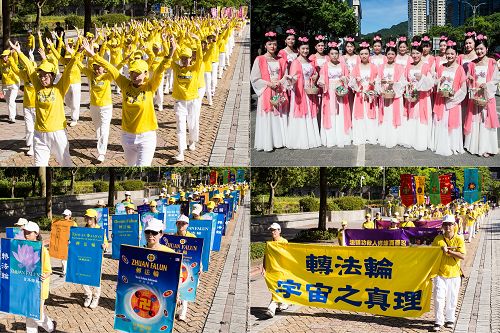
(82, 138)
(232, 144)
(477, 311)
(65, 303)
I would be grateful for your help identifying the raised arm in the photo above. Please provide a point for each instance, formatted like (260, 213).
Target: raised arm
(156, 79)
(121, 80)
(30, 69)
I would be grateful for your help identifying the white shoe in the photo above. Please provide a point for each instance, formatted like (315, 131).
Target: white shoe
(181, 318)
(269, 314)
(30, 151)
(179, 157)
(101, 158)
(94, 303)
(87, 301)
(211, 103)
(73, 123)
(192, 146)
(283, 307)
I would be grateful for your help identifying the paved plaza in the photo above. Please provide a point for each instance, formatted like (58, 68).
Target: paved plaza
(221, 301)
(224, 127)
(478, 310)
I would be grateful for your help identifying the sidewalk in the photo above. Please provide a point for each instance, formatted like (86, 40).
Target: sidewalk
(478, 310)
(65, 303)
(231, 107)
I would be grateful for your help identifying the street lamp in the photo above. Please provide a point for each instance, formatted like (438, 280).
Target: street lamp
(474, 9)
(361, 186)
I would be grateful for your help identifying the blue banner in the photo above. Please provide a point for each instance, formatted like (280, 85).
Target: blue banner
(240, 176)
(14, 232)
(219, 227)
(471, 185)
(191, 250)
(202, 229)
(103, 219)
(224, 209)
(146, 293)
(85, 256)
(143, 209)
(120, 209)
(172, 212)
(20, 269)
(125, 231)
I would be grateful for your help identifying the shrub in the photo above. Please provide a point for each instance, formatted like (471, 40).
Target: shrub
(132, 185)
(112, 19)
(310, 235)
(83, 187)
(309, 204)
(101, 186)
(45, 223)
(331, 205)
(257, 250)
(21, 189)
(350, 203)
(73, 21)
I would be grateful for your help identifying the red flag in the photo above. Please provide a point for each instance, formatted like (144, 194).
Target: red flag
(407, 190)
(213, 177)
(445, 186)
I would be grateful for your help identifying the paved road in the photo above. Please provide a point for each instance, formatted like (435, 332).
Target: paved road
(222, 293)
(477, 312)
(228, 104)
(363, 155)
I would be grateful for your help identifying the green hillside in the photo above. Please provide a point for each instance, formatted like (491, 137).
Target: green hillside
(395, 30)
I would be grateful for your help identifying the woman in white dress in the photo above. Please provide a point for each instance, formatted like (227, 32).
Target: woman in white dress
(318, 60)
(268, 77)
(336, 115)
(289, 52)
(481, 121)
(403, 59)
(351, 59)
(391, 76)
(464, 60)
(362, 82)
(418, 129)
(451, 90)
(303, 130)
(441, 58)
(377, 58)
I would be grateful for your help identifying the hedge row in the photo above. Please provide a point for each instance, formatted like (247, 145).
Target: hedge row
(285, 205)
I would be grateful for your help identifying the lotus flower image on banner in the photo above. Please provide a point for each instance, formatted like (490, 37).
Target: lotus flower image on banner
(434, 192)
(146, 292)
(445, 189)
(21, 268)
(407, 190)
(471, 184)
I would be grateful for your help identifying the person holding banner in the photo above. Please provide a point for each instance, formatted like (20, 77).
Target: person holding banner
(394, 224)
(128, 197)
(31, 232)
(21, 222)
(64, 262)
(368, 224)
(447, 282)
(197, 208)
(92, 294)
(130, 208)
(340, 233)
(275, 229)
(406, 222)
(154, 232)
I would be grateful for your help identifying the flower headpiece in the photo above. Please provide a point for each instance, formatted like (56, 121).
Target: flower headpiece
(402, 39)
(333, 44)
(470, 34)
(349, 39)
(451, 43)
(415, 43)
(443, 38)
(426, 39)
(481, 37)
(320, 38)
(391, 44)
(303, 39)
(377, 38)
(270, 34)
(364, 44)
(290, 32)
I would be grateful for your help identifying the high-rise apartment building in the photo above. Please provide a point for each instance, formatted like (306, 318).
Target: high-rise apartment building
(437, 13)
(457, 11)
(417, 17)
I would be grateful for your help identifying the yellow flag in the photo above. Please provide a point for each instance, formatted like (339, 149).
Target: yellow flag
(420, 189)
(389, 281)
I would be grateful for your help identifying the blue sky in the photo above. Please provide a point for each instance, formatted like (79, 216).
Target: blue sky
(378, 14)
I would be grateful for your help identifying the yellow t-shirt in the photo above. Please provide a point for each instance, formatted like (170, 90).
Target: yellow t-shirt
(207, 60)
(30, 42)
(282, 240)
(470, 219)
(29, 90)
(9, 75)
(165, 248)
(450, 266)
(188, 234)
(407, 224)
(185, 86)
(100, 87)
(46, 268)
(368, 225)
(201, 77)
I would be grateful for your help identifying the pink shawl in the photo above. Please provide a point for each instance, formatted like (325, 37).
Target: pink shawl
(440, 101)
(327, 95)
(396, 115)
(422, 95)
(358, 98)
(300, 103)
(264, 72)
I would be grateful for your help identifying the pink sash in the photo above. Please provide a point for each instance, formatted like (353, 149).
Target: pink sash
(396, 110)
(264, 72)
(358, 98)
(422, 95)
(327, 123)
(440, 101)
(300, 104)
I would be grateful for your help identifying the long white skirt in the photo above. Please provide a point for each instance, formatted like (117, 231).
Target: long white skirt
(364, 130)
(270, 130)
(302, 133)
(388, 135)
(420, 134)
(335, 135)
(447, 143)
(481, 140)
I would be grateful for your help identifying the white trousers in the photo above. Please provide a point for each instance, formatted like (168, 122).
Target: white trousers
(183, 308)
(46, 143)
(445, 298)
(275, 305)
(222, 63)
(10, 93)
(29, 125)
(139, 149)
(197, 112)
(90, 291)
(30, 55)
(471, 230)
(208, 86)
(185, 111)
(215, 68)
(169, 80)
(73, 98)
(158, 100)
(101, 117)
(45, 322)
(64, 264)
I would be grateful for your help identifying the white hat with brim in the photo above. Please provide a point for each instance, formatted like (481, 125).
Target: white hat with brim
(22, 221)
(197, 208)
(274, 226)
(128, 193)
(449, 219)
(154, 225)
(67, 212)
(32, 226)
(183, 218)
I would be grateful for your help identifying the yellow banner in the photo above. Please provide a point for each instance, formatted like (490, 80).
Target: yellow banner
(59, 237)
(420, 189)
(389, 281)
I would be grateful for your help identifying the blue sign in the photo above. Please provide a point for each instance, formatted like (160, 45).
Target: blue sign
(125, 231)
(85, 256)
(14, 232)
(20, 269)
(219, 228)
(143, 209)
(202, 229)
(191, 250)
(172, 212)
(146, 293)
(120, 209)
(224, 209)
(103, 219)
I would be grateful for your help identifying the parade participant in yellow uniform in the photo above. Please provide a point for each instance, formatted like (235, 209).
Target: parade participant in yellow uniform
(340, 233)
(155, 56)
(154, 232)
(153, 206)
(92, 294)
(394, 224)
(30, 45)
(207, 66)
(31, 232)
(447, 281)
(10, 83)
(50, 121)
(139, 122)
(214, 51)
(275, 229)
(406, 222)
(470, 220)
(185, 94)
(368, 224)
